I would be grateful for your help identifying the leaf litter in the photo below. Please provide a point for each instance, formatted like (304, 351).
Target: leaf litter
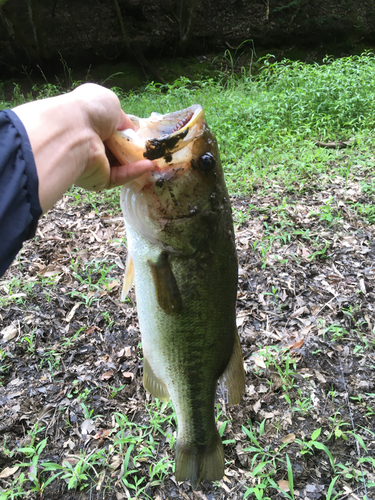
(71, 358)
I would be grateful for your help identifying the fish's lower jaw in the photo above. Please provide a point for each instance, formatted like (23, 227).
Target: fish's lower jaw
(196, 463)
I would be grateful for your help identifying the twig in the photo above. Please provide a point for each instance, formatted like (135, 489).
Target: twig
(326, 304)
(353, 427)
(335, 145)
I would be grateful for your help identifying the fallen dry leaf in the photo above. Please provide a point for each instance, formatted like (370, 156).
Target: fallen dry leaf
(257, 406)
(107, 375)
(299, 312)
(289, 438)
(116, 462)
(9, 332)
(87, 427)
(8, 471)
(50, 270)
(320, 377)
(258, 360)
(69, 443)
(102, 433)
(91, 330)
(297, 345)
(283, 485)
(113, 285)
(100, 480)
(240, 320)
(268, 415)
(70, 314)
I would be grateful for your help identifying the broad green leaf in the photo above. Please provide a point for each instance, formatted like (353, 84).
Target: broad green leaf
(316, 434)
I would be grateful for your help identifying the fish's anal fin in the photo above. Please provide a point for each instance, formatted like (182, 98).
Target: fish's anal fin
(196, 464)
(152, 383)
(234, 374)
(167, 292)
(128, 278)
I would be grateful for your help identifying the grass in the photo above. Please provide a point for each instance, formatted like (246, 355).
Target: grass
(267, 127)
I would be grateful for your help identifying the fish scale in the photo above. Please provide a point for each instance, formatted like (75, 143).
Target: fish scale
(182, 259)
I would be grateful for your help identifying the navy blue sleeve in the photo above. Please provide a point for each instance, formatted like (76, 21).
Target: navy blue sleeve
(19, 200)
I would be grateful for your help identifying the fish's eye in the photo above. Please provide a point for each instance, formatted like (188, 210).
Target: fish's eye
(206, 162)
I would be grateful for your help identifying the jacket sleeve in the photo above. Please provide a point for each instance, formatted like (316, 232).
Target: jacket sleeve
(19, 200)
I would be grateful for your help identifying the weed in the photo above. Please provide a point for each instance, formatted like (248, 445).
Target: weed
(313, 443)
(106, 315)
(115, 390)
(337, 427)
(303, 405)
(52, 359)
(29, 340)
(16, 488)
(337, 331)
(330, 489)
(75, 469)
(161, 416)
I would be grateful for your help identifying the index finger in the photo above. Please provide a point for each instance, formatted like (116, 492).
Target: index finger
(125, 122)
(124, 173)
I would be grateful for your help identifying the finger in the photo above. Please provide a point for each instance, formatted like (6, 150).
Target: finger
(125, 173)
(125, 122)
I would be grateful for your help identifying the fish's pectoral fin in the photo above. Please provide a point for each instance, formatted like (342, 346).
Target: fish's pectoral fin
(167, 292)
(196, 464)
(234, 374)
(152, 383)
(128, 277)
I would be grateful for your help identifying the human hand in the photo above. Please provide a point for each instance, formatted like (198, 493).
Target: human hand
(67, 135)
(103, 115)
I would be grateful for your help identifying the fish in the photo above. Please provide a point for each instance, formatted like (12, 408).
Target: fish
(182, 259)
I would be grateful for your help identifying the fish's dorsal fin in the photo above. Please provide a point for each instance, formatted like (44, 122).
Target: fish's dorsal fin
(167, 292)
(234, 374)
(128, 277)
(152, 383)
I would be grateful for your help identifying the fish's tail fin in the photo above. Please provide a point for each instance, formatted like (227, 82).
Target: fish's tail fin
(200, 462)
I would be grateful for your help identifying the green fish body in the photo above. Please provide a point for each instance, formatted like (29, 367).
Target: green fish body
(182, 258)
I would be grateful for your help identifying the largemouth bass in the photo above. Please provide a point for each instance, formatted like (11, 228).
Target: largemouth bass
(182, 258)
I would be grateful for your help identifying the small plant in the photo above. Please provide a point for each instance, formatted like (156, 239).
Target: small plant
(106, 315)
(33, 452)
(313, 443)
(337, 427)
(16, 489)
(303, 405)
(75, 469)
(330, 489)
(265, 463)
(82, 396)
(281, 361)
(161, 415)
(337, 331)
(29, 340)
(70, 341)
(158, 471)
(115, 390)
(226, 421)
(328, 214)
(52, 359)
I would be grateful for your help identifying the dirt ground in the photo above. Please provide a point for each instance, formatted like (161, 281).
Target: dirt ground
(306, 319)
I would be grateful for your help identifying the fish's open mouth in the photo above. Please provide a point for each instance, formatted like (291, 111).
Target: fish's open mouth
(159, 126)
(184, 121)
(164, 139)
